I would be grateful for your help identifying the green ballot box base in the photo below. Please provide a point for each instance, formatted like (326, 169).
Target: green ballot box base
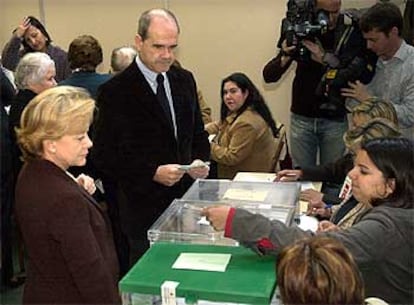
(248, 278)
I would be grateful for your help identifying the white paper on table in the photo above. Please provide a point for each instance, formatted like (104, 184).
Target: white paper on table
(308, 223)
(240, 194)
(306, 186)
(254, 177)
(202, 261)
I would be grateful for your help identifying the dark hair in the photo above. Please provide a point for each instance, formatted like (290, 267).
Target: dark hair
(254, 100)
(85, 53)
(382, 17)
(144, 21)
(318, 270)
(394, 157)
(37, 24)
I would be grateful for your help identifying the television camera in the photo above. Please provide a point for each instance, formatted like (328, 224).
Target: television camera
(302, 21)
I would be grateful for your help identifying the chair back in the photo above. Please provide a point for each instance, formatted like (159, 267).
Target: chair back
(281, 146)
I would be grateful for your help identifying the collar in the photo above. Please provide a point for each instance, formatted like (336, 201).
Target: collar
(403, 51)
(232, 116)
(150, 75)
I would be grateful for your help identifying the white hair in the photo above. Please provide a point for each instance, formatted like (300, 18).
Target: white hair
(32, 68)
(122, 57)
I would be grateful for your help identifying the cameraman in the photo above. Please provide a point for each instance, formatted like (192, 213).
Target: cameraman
(382, 26)
(318, 119)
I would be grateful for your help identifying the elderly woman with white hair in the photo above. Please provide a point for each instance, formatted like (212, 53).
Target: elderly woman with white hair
(35, 73)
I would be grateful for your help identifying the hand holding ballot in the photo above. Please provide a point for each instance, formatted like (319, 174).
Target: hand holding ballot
(197, 169)
(217, 216)
(168, 174)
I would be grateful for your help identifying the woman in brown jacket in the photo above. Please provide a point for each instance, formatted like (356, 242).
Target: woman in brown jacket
(71, 255)
(246, 131)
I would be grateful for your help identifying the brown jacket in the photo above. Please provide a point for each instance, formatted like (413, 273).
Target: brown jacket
(68, 238)
(245, 143)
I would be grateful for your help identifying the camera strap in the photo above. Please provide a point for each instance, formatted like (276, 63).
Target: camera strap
(344, 38)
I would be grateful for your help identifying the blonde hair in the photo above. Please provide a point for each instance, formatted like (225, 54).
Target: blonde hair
(376, 108)
(55, 112)
(318, 270)
(375, 128)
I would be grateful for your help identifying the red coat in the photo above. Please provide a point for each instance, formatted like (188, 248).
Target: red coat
(68, 238)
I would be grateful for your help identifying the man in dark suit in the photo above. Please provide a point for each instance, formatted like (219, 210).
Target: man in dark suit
(138, 142)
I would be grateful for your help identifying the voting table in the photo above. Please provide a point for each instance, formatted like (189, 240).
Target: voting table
(247, 279)
(181, 231)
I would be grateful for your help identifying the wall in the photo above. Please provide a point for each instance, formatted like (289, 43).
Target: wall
(218, 37)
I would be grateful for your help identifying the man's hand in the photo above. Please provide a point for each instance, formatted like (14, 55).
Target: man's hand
(357, 91)
(198, 171)
(317, 52)
(287, 51)
(168, 174)
(217, 216)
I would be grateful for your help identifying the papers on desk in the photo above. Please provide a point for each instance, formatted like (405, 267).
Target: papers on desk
(254, 177)
(202, 261)
(308, 223)
(306, 186)
(241, 194)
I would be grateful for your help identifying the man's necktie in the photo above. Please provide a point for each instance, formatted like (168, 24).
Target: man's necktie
(162, 97)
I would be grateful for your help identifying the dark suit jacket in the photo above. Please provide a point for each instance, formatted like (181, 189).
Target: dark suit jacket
(20, 101)
(133, 137)
(72, 259)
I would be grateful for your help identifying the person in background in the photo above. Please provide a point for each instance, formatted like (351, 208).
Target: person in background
(121, 58)
(7, 279)
(408, 27)
(204, 108)
(35, 73)
(373, 108)
(318, 270)
(31, 36)
(382, 25)
(316, 126)
(336, 172)
(245, 134)
(149, 124)
(342, 211)
(67, 234)
(381, 240)
(84, 55)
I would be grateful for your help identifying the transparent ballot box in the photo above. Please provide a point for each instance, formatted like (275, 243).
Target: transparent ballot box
(182, 222)
(244, 277)
(265, 193)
